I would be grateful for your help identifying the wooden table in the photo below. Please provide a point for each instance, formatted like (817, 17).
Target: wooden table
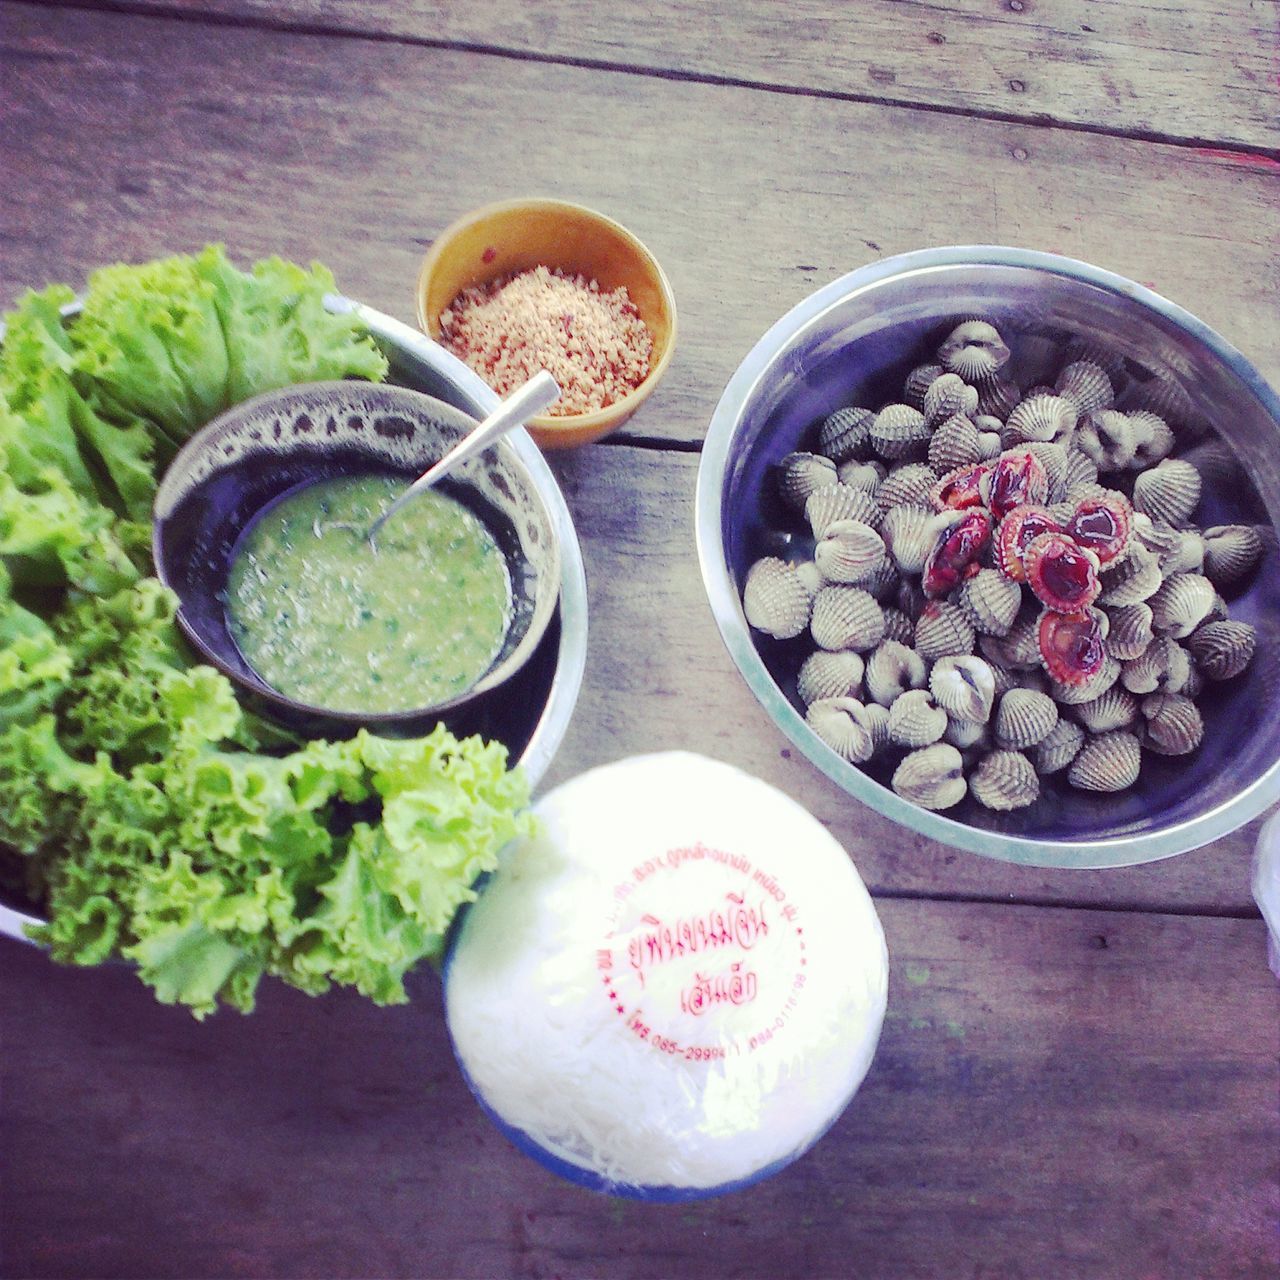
(1078, 1075)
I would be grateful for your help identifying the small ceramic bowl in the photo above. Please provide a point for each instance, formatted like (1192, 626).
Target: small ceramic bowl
(245, 459)
(517, 235)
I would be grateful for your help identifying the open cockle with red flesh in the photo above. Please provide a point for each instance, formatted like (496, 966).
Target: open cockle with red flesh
(1048, 548)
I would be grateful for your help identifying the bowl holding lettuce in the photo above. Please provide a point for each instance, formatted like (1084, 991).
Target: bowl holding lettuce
(145, 815)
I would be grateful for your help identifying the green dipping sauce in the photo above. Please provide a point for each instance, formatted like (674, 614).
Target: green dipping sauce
(325, 621)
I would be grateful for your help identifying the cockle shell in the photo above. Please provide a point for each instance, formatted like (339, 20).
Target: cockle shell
(996, 396)
(867, 476)
(885, 582)
(989, 442)
(799, 474)
(846, 618)
(949, 395)
(1182, 604)
(1230, 553)
(1169, 491)
(918, 382)
(1023, 718)
(967, 735)
(1041, 418)
(898, 626)
(843, 434)
(941, 630)
(907, 486)
(899, 432)
(1193, 686)
(1063, 575)
(1174, 726)
(1081, 474)
(1115, 709)
(1164, 666)
(1175, 550)
(830, 674)
(1155, 438)
(892, 669)
(1059, 747)
(911, 600)
(1131, 631)
(775, 599)
(1222, 650)
(1091, 349)
(1004, 780)
(1107, 437)
(974, 350)
(1075, 695)
(1005, 678)
(1086, 385)
(910, 534)
(954, 444)
(1133, 578)
(1109, 762)
(964, 686)
(843, 725)
(914, 720)
(990, 601)
(933, 777)
(1019, 648)
(878, 718)
(839, 502)
(849, 552)
(1053, 457)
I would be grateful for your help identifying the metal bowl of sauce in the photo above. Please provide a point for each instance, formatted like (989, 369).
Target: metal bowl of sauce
(257, 530)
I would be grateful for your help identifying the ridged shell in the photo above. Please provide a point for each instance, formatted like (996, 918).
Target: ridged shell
(1109, 762)
(911, 599)
(878, 719)
(1059, 747)
(1194, 684)
(1107, 437)
(954, 444)
(949, 395)
(919, 380)
(1053, 457)
(1090, 349)
(1163, 395)
(846, 618)
(1222, 650)
(799, 474)
(1133, 578)
(907, 486)
(898, 626)
(973, 349)
(1081, 474)
(1174, 726)
(1068, 695)
(843, 435)
(989, 443)
(996, 396)
(839, 502)
(1024, 718)
(1030, 678)
(866, 476)
(1175, 550)
(842, 724)
(1019, 648)
(1163, 667)
(1131, 631)
(964, 686)
(1045, 418)
(849, 552)
(1169, 491)
(1231, 552)
(909, 534)
(1155, 438)
(1004, 781)
(1005, 677)
(914, 720)
(967, 734)
(884, 583)
(827, 674)
(1086, 385)
(891, 670)
(775, 599)
(990, 601)
(933, 777)
(1217, 463)
(811, 576)
(942, 629)
(1182, 604)
(900, 432)
(1116, 709)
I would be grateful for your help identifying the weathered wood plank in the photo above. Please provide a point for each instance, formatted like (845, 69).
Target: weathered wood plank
(359, 152)
(1057, 1093)
(1200, 70)
(659, 678)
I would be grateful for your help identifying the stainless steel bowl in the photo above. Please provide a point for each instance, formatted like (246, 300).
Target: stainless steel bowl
(421, 364)
(853, 342)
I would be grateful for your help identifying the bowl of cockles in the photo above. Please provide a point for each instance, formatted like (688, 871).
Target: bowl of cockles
(990, 534)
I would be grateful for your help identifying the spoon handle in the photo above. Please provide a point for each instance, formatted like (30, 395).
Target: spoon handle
(521, 405)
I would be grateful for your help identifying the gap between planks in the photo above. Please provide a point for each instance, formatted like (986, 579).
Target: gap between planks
(168, 12)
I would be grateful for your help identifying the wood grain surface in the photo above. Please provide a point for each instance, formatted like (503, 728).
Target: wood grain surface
(1202, 69)
(358, 153)
(1110, 1112)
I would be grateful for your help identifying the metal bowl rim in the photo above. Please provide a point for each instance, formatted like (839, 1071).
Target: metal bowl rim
(726, 607)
